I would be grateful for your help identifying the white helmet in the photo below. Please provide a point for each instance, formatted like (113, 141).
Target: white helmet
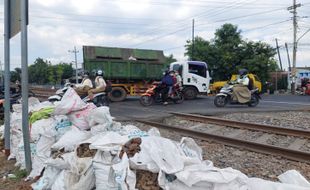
(99, 73)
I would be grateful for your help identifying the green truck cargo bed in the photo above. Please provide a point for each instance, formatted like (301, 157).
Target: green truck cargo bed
(122, 63)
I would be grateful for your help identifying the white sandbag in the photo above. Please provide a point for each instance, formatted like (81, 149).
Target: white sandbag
(32, 101)
(47, 180)
(71, 139)
(164, 153)
(205, 173)
(100, 128)
(108, 141)
(294, 177)
(2, 132)
(20, 156)
(17, 108)
(42, 105)
(123, 175)
(43, 152)
(67, 161)
(105, 178)
(100, 115)
(260, 184)
(62, 126)
(153, 132)
(80, 118)
(40, 127)
(70, 102)
(87, 180)
(65, 180)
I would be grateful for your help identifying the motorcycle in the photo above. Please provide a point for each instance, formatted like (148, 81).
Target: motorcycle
(99, 99)
(225, 96)
(154, 95)
(15, 98)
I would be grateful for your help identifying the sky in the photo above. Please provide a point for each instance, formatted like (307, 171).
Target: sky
(56, 26)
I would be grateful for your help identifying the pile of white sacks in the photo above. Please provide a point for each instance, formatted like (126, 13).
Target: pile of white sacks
(56, 138)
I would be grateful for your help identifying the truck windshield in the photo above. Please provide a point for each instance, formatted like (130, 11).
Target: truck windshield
(197, 69)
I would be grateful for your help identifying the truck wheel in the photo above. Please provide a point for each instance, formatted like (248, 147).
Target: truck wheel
(117, 94)
(190, 93)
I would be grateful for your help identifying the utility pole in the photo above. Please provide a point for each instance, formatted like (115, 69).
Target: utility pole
(288, 59)
(280, 61)
(294, 11)
(193, 38)
(76, 67)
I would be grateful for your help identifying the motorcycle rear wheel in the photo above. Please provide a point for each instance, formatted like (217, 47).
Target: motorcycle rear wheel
(146, 100)
(253, 102)
(220, 101)
(180, 99)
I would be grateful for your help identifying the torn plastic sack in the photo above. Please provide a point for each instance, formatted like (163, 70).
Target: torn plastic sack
(260, 184)
(190, 148)
(294, 177)
(71, 139)
(70, 102)
(164, 153)
(80, 118)
(153, 132)
(100, 115)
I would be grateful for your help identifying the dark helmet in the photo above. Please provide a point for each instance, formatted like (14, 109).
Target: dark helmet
(243, 72)
(99, 73)
(85, 73)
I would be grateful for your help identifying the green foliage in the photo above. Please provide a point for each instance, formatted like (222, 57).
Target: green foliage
(227, 53)
(16, 74)
(170, 59)
(43, 72)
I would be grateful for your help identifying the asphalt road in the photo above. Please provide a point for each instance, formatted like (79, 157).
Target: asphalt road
(131, 108)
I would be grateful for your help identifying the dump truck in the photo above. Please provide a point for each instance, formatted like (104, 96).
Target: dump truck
(132, 71)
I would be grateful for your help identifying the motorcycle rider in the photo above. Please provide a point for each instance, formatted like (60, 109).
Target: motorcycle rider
(167, 82)
(86, 84)
(241, 92)
(100, 84)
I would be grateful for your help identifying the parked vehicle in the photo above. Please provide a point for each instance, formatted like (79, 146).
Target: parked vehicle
(225, 96)
(99, 99)
(15, 98)
(154, 95)
(132, 71)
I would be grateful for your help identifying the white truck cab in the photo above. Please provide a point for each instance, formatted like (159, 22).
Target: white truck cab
(195, 77)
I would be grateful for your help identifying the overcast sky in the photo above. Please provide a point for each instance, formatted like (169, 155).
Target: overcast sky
(56, 26)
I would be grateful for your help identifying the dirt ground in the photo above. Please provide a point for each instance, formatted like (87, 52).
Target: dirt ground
(7, 167)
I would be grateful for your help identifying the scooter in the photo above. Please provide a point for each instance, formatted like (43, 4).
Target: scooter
(99, 99)
(225, 96)
(154, 95)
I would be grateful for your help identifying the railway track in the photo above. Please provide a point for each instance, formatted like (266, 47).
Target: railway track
(292, 151)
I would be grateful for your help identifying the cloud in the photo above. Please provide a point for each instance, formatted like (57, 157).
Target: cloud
(56, 26)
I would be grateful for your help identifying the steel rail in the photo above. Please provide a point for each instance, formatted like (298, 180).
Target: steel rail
(245, 125)
(291, 154)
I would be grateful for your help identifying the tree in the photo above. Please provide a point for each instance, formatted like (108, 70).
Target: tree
(16, 74)
(227, 52)
(170, 59)
(38, 72)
